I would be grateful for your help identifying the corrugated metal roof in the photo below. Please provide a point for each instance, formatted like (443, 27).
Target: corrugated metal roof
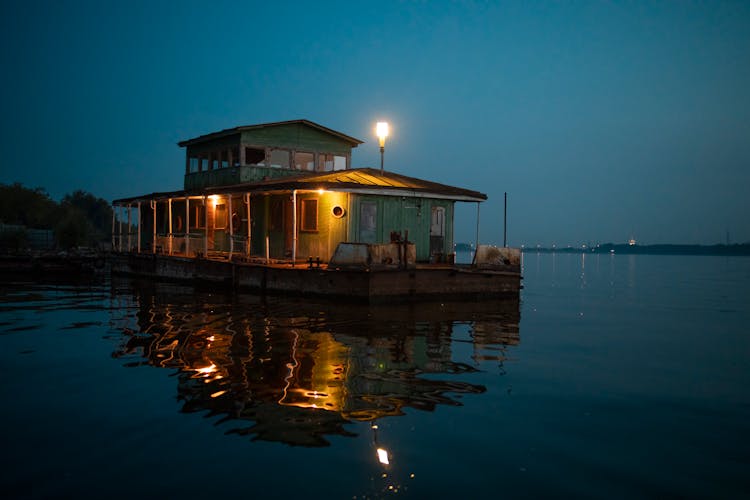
(362, 180)
(235, 130)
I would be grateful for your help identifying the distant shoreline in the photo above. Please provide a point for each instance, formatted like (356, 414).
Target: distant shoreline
(742, 249)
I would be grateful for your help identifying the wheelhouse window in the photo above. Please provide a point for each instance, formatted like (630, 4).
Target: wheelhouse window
(309, 215)
(329, 162)
(254, 156)
(304, 161)
(279, 158)
(194, 165)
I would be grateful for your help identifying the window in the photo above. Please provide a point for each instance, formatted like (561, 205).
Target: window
(204, 164)
(254, 156)
(339, 162)
(304, 161)
(309, 215)
(224, 155)
(279, 158)
(328, 162)
(220, 216)
(194, 165)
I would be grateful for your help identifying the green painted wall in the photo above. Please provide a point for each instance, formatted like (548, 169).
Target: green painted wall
(296, 136)
(234, 175)
(395, 213)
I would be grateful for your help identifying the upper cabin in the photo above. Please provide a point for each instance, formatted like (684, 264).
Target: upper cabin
(256, 152)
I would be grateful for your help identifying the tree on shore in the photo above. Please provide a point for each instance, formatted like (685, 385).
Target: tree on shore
(80, 219)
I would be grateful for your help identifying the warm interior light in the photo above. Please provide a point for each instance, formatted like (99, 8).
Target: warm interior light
(381, 130)
(214, 198)
(321, 191)
(383, 456)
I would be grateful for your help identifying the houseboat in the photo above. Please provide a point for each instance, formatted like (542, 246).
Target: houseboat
(277, 207)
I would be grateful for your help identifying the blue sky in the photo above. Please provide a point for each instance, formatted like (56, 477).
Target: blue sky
(600, 120)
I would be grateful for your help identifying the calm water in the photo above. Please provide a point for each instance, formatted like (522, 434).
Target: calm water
(615, 376)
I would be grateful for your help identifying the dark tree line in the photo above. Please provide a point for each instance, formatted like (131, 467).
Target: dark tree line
(79, 219)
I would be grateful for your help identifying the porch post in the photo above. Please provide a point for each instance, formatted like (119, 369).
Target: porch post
(119, 242)
(187, 225)
(113, 227)
(130, 228)
(139, 227)
(294, 226)
(153, 241)
(249, 227)
(205, 227)
(169, 201)
(476, 248)
(231, 227)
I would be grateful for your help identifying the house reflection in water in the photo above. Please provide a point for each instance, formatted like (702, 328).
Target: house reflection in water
(297, 370)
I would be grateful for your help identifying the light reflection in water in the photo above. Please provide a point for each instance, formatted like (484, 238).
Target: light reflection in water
(295, 371)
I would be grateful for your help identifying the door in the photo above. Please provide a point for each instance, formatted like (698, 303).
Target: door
(368, 222)
(437, 230)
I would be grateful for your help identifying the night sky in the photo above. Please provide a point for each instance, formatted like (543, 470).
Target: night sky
(601, 120)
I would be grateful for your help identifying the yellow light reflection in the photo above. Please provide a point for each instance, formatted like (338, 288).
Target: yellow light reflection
(207, 369)
(383, 456)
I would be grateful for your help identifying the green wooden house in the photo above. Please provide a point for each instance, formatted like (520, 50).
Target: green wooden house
(286, 192)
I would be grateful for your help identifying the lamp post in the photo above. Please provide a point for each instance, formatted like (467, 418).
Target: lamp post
(381, 130)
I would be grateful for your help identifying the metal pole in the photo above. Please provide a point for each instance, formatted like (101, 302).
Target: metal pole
(153, 241)
(476, 247)
(205, 228)
(505, 221)
(170, 226)
(249, 227)
(231, 227)
(130, 228)
(139, 227)
(113, 226)
(187, 226)
(382, 153)
(294, 226)
(119, 242)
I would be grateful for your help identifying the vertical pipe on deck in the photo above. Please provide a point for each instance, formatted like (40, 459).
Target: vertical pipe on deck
(294, 226)
(231, 227)
(187, 226)
(139, 227)
(249, 227)
(169, 200)
(130, 228)
(153, 236)
(476, 246)
(205, 228)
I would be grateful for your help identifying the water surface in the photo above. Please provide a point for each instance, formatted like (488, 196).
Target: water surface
(617, 376)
